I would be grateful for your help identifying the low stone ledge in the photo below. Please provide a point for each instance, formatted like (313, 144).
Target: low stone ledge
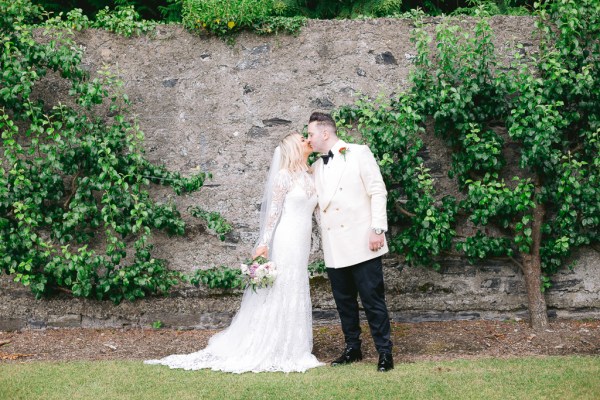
(12, 324)
(412, 294)
(64, 321)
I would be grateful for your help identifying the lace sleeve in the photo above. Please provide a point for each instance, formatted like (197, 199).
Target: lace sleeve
(280, 189)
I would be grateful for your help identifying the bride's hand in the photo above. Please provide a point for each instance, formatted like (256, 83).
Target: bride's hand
(261, 251)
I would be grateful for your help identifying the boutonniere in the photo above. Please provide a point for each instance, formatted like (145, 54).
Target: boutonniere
(343, 151)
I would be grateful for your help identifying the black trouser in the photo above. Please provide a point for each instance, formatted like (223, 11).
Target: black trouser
(365, 279)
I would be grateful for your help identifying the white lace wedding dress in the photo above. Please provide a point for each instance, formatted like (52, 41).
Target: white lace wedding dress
(272, 330)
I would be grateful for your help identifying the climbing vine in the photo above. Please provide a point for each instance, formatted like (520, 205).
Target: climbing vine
(69, 178)
(533, 214)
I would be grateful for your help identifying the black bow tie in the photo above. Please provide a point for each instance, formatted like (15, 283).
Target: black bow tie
(326, 157)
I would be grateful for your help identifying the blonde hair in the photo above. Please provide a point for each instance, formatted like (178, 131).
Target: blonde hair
(292, 158)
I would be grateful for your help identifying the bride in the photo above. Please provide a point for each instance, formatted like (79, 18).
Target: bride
(272, 330)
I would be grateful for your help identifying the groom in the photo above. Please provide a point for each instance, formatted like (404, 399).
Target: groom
(352, 203)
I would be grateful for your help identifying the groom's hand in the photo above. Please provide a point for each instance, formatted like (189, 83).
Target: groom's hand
(376, 241)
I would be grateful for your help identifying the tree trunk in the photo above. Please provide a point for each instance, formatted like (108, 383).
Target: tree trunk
(532, 269)
(538, 316)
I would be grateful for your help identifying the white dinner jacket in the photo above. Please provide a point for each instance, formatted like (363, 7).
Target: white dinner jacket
(352, 201)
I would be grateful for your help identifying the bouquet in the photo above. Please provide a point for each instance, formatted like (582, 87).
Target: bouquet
(258, 273)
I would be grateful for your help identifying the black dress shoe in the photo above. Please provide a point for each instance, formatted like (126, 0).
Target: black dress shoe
(349, 356)
(386, 362)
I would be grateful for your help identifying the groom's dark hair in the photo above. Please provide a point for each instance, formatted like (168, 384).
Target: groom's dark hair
(324, 119)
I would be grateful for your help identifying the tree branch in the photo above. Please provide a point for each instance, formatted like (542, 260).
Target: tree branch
(507, 258)
(64, 290)
(73, 189)
(518, 264)
(406, 212)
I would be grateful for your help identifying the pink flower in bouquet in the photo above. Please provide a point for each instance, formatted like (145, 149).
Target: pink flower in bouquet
(258, 273)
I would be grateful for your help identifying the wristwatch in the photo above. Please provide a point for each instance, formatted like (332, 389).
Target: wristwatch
(378, 231)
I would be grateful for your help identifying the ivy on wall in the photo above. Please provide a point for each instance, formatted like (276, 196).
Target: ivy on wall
(548, 107)
(69, 178)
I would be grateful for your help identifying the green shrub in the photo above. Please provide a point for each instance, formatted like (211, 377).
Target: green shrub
(225, 18)
(123, 20)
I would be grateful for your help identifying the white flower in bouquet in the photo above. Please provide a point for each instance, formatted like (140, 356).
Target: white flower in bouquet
(258, 273)
(261, 271)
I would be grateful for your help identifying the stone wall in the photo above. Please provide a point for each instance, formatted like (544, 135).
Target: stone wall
(205, 105)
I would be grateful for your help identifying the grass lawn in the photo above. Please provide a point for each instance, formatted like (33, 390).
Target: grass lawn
(572, 377)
